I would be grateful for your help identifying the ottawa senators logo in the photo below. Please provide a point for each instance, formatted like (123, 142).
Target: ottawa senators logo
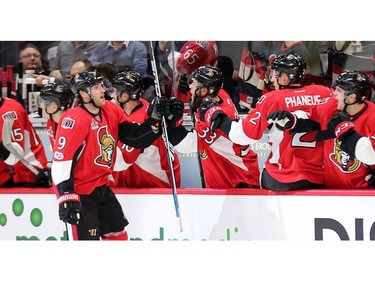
(107, 146)
(343, 160)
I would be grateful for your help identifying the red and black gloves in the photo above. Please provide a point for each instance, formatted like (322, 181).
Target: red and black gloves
(371, 179)
(176, 112)
(183, 85)
(343, 128)
(43, 178)
(69, 208)
(158, 108)
(341, 125)
(283, 119)
(211, 112)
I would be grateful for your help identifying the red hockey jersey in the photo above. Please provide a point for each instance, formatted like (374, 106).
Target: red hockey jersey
(224, 164)
(292, 157)
(85, 147)
(148, 167)
(343, 171)
(26, 139)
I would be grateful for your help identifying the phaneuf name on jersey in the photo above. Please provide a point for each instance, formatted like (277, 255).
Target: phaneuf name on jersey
(301, 100)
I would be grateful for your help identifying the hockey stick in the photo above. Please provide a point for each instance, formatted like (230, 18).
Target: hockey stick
(7, 142)
(165, 137)
(203, 181)
(173, 70)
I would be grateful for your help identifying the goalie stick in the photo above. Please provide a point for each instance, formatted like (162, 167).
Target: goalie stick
(165, 138)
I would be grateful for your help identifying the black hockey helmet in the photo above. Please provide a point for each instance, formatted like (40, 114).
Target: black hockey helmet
(292, 64)
(354, 82)
(210, 77)
(58, 92)
(83, 81)
(129, 81)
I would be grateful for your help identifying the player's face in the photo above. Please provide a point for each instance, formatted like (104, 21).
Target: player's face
(273, 77)
(97, 94)
(339, 94)
(194, 91)
(48, 107)
(197, 95)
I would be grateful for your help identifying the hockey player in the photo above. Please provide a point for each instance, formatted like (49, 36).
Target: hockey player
(55, 99)
(149, 165)
(347, 130)
(193, 54)
(27, 159)
(223, 163)
(84, 154)
(295, 161)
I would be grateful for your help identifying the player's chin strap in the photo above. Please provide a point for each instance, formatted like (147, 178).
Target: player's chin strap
(123, 102)
(91, 100)
(50, 114)
(347, 104)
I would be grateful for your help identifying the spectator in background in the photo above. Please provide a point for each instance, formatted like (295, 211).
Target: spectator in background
(149, 167)
(78, 66)
(107, 71)
(122, 53)
(69, 51)
(31, 59)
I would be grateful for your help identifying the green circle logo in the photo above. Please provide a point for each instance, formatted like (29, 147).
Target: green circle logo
(18, 207)
(3, 219)
(36, 217)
